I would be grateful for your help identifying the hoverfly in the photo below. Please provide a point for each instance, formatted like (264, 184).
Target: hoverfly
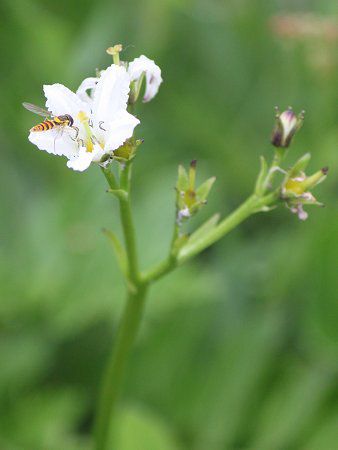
(55, 122)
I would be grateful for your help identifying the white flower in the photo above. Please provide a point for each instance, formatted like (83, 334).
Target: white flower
(102, 120)
(152, 73)
(298, 209)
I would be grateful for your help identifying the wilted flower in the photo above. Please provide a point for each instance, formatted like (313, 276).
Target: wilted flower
(102, 120)
(296, 191)
(139, 68)
(287, 123)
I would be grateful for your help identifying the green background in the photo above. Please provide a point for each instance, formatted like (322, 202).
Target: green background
(238, 349)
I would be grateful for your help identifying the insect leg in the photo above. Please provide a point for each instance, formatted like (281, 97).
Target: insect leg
(80, 142)
(100, 125)
(57, 135)
(76, 133)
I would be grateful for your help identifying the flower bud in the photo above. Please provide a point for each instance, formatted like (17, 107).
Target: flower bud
(287, 124)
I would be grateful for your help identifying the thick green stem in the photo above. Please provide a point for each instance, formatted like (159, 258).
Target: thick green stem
(128, 225)
(137, 289)
(129, 323)
(114, 374)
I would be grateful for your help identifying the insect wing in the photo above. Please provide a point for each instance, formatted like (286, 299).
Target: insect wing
(37, 110)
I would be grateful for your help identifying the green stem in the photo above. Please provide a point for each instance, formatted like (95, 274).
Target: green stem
(137, 290)
(110, 178)
(277, 159)
(130, 320)
(128, 226)
(114, 374)
(250, 206)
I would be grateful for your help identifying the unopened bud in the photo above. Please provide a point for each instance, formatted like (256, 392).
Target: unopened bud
(287, 124)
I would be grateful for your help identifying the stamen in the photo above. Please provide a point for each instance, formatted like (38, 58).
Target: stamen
(83, 118)
(115, 53)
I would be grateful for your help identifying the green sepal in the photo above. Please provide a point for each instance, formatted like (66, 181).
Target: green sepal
(261, 179)
(118, 249)
(182, 180)
(312, 180)
(203, 190)
(127, 151)
(300, 165)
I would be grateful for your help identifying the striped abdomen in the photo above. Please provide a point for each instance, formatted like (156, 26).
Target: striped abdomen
(57, 121)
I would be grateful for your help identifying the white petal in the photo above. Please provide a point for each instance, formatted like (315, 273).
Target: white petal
(120, 129)
(153, 75)
(83, 159)
(111, 93)
(61, 100)
(86, 85)
(55, 141)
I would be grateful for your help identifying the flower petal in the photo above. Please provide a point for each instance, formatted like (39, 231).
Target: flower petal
(111, 93)
(119, 129)
(86, 85)
(153, 75)
(61, 100)
(55, 141)
(83, 159)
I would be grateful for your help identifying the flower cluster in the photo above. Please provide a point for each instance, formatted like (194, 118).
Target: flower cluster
(296, 187)
(101, 122)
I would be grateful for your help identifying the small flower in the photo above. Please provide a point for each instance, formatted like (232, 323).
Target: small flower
(136, 69)
(287, 124)
(189, 199)
(298, 209)
(296, 191)
(102, 119)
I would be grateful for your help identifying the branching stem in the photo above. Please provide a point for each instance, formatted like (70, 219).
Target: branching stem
(137, 287)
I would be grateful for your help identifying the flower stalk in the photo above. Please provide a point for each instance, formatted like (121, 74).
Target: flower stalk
(137, 287)
(115, 370)
(189, 200)
(131, 317)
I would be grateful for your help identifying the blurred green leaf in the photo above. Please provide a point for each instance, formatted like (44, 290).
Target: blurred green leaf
(143, 429)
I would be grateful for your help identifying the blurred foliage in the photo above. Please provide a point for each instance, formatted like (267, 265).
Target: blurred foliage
(239, 348)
